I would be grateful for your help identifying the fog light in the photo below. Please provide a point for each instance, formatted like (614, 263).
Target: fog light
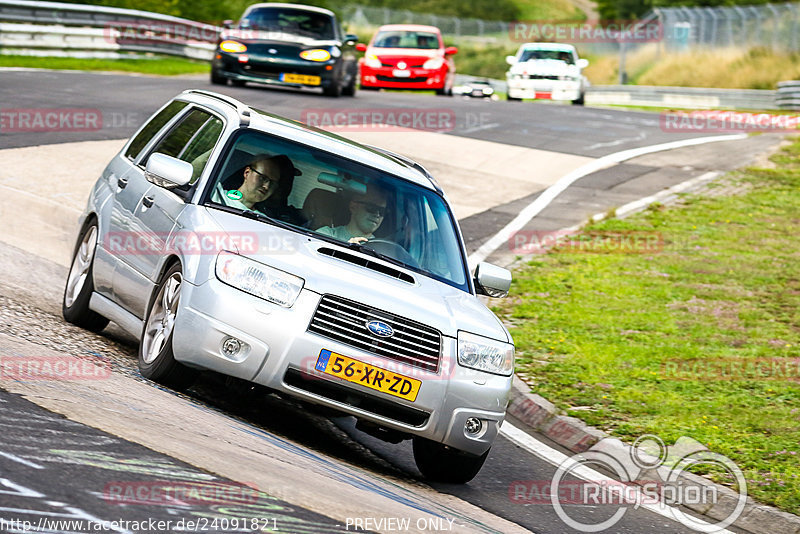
(473, 426)
(231, 347)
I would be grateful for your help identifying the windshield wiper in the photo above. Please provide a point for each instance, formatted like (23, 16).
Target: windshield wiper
(258, 216)
(366, 249)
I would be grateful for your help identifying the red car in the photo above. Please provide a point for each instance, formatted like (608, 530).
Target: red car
(408, 56)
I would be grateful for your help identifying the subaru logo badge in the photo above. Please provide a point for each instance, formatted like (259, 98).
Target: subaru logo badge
(380, 329)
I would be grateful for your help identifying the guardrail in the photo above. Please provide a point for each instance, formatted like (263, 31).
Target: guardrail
(682, 97)
(97, 30)
(788, 95)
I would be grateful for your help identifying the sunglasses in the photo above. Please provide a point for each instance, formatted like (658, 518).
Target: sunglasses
(380, 211)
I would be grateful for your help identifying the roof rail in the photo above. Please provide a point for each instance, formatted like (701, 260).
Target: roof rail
(242, 109)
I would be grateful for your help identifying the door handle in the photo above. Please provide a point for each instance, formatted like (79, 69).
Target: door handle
(122, 183)
(148, 201)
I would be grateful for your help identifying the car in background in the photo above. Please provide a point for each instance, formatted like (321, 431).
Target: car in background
(475, 89)
(547, 71)
(408, 56)
(219, 236)
(290, 45)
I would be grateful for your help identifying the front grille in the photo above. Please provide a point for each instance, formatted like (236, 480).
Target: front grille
(542, 77)
(418, 79)
(345, 321)
(393, 63)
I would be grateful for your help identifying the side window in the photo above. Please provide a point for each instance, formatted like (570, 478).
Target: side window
(152, 128)
(192, 140)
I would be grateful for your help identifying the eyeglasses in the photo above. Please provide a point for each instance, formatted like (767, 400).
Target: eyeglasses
(380, 211)
(264, 178)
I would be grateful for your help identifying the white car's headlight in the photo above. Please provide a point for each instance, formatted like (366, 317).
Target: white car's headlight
(433, 63)
(484, 354)
(258, 279)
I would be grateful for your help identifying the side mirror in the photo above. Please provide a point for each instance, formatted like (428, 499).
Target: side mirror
(350, 38)
(511, 60)
(227, 24)
(492, 280)
(450, 50)
(582, 63)
(168, 172)
(361, 47)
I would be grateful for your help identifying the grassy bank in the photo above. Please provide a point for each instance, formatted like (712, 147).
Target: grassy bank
(167, 66)
(757, 68)
(649, 343)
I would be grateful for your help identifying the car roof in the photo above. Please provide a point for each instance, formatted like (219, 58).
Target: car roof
(378, 158)
(547, 46)
(292, 6)
(410, 27)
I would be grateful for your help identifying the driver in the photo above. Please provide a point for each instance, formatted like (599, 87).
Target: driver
(366, 216)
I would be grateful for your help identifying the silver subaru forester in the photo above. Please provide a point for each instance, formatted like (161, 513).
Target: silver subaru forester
(229, 239)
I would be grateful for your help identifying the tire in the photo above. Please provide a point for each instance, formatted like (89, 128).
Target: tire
(441, 463)
(579, 100)
(80, 283)
(334, 89)
(238, 83)
(512, 99)
(350, 88)
(156, 359)
(216, 79)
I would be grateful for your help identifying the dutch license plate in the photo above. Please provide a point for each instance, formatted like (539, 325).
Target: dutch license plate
(367, 375)
(401, 73)
(305, 79)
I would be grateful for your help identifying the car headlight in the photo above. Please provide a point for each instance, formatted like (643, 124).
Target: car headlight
(488, 91)
(433, 63)
(484, 354)
(234, 47)
(316, 54)
(258, 279)
(372, 61)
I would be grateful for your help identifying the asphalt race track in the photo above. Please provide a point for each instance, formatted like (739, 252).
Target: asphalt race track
(69, 483)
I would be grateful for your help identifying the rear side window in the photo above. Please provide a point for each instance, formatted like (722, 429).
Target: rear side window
(153, 127)
(192, 140)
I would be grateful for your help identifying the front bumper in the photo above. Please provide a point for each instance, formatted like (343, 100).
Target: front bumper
(273, 71)
(547, 89)
(417, 78)
(278, 352)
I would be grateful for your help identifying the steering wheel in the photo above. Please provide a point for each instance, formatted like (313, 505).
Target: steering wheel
(393, 250)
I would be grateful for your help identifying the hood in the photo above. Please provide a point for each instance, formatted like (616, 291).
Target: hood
(406, 52)
(275, 38)
(545, 67)
(427, 301)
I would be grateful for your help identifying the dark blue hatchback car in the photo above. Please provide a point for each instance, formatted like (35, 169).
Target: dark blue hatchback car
(289, 45)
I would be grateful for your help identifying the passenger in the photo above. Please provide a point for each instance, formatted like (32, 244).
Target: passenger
(366, 216)
(266, 185)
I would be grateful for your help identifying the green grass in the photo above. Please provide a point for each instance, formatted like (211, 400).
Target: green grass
(595, 332)
(167, 66)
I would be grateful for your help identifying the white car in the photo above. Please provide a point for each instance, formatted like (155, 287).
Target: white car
(547, 71)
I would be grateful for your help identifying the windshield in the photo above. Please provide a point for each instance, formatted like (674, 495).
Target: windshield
(292, 21)
(406, 39)
(342, 201)
(558, 55)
